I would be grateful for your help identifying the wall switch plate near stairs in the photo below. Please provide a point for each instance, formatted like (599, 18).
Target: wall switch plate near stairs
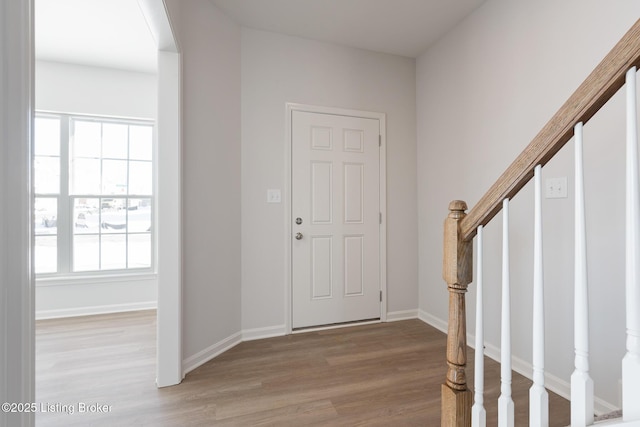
(556, 188)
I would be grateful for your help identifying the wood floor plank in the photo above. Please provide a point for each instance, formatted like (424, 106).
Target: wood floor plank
(374, 375)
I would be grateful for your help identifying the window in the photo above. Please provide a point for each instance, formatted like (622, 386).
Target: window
(93, 180)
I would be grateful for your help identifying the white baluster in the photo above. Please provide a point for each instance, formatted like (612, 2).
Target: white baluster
(478, 413)
(631, 361)
(538, 396)
(581, 382)
(505, 403)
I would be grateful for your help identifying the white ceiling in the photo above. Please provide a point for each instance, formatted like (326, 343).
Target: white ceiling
(113, 33)
(104, 33)
(401, 27)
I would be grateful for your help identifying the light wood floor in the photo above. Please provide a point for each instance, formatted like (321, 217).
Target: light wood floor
(385, 374)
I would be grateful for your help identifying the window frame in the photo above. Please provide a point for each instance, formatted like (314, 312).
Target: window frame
(66, 201)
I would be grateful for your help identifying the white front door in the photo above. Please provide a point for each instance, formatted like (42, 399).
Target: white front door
(335, 211)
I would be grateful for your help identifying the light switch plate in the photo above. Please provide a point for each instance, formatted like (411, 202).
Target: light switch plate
(556, 188)
(274, 196)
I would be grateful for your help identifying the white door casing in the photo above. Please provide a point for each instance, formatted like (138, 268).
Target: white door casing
(17, 344)
(336, 196)
(169, 369)
(17, 298)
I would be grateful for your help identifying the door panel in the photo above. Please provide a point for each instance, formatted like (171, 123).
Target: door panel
(353, 193)
(336, 195)
(353, 265)
(321, 192)
(321, 267)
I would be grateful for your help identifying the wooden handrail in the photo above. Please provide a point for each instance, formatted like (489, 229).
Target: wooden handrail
(605, 80)
(460, 228)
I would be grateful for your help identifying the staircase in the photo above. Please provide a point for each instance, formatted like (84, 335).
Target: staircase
(463, 231)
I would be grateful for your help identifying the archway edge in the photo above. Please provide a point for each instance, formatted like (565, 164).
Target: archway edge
(169, 370)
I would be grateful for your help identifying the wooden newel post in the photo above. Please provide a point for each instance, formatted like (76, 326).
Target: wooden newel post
(457, 270)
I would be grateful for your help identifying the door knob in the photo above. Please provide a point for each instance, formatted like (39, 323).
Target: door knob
(298, 236)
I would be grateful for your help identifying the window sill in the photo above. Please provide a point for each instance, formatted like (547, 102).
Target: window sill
(95, 279)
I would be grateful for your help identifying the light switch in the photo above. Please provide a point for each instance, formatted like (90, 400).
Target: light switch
(273, 196)
(556, 188)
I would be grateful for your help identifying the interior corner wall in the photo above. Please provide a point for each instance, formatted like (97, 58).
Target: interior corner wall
(210, 49)
(277, 69)
(483, 92)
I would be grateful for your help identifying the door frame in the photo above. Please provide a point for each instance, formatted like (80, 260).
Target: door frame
(288, 273)
(169, 369)
(17, 298)
(17, 284)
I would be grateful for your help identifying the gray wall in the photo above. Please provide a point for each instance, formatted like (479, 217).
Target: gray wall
(72, 88)
(483, 92)
(277, 69)
(210, 44)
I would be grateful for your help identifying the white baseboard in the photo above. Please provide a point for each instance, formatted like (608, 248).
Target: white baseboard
(261, 333)
(209, 353)
(202, 357)
(602, 407)
(100, 309)
(395, 316)
(552, 383)
(524, 368)
(431, 320)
